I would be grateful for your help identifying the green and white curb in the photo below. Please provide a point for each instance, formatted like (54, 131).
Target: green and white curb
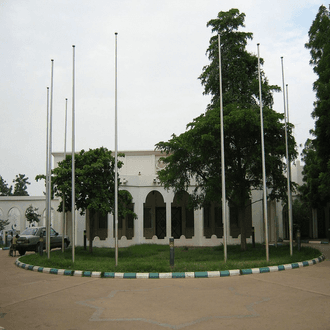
(309, 242)
(224, 273)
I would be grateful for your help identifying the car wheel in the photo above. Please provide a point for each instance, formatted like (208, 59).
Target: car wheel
(21, 252)
(37, 248)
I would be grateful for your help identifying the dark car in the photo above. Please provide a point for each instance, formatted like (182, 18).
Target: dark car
(29, 239)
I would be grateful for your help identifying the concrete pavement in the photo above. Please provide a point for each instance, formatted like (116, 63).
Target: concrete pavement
(291, 299)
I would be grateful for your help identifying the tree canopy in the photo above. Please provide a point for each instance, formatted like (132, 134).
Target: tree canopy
(309, 190)
(195, 154)
(20, 186)
(317, 150)
(4, 189)
(94, 184)
(239, 68)
(4, 224)
(32, 215)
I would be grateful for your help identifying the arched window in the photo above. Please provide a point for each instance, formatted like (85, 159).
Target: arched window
(14, 217)
(154, 215)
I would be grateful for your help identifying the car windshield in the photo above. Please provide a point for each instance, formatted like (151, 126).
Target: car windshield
(29, 231)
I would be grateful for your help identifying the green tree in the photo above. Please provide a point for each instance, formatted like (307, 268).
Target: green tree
(319, 46)
(240, 83)
(20, 187)
(4, 189)
(94, 184)
(309, 191)
(3, 224)
(31, 215)
(301, 214)
(195, 154)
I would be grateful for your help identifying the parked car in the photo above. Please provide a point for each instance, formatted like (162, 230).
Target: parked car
(29, 239)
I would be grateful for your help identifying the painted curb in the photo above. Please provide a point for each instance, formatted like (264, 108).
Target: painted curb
(308, 242)
(211, 274)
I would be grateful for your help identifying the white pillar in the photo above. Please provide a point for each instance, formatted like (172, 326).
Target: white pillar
(198, 226)
(110, 228)
(168, 198)
(138, 223)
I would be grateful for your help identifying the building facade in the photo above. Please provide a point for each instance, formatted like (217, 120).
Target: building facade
(160, 213)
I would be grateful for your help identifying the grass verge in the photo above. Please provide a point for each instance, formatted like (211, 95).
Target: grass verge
(152, 258)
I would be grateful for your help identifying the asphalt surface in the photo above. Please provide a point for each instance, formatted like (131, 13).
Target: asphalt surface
(290, 299)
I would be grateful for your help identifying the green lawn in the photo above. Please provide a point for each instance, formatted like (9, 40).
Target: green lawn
(151, 258)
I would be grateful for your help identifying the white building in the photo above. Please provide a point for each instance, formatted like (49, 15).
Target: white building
(160, 214)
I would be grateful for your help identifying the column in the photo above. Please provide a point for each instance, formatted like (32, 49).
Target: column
(168, 198)
(198, 226)
(138, 223)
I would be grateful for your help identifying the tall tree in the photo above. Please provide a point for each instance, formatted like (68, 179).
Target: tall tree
(319, 46)
(20, 187)
(4, 189)
(94, 185)
(195, 154)
(301, 215)
(310, 189)
(239, 68)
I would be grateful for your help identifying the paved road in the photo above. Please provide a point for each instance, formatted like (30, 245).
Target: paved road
(291, 299)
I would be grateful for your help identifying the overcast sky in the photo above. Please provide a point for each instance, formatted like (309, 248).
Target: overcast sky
(161, 53)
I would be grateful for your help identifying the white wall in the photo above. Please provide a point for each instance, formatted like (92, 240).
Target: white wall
(20, 204)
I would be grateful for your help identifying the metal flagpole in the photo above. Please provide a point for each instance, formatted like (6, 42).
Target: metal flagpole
(50, 163)
(224, 218)
(63, 198)
(288, 166)
(287, 102)
(73, 208)
(263, 162)
(47, 160)
(116, 156)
